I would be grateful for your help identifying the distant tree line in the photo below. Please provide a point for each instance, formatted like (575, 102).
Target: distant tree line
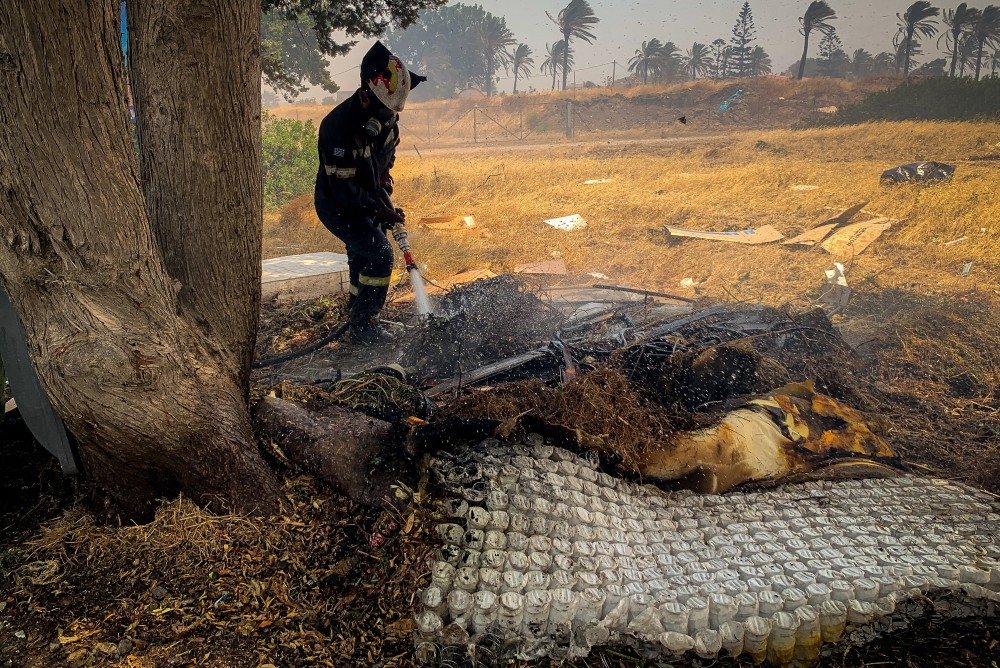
(971, 38)
(464, 45)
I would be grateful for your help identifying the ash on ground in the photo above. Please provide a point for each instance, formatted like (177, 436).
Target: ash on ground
(479, 323)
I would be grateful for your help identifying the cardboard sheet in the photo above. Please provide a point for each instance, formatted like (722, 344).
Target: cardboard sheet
(855, 238)
(764, 235)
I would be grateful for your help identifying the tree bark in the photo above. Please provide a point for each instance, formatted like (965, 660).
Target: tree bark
(356, 454)
(152, 403)
(955, 34)
(195, 69)
(909, 44)
(805, 53)
(565, 63)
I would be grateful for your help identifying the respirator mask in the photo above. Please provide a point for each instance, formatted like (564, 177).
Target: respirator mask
(374, 127)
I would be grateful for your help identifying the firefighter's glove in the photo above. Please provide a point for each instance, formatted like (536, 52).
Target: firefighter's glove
(387, 183)
(387, 217)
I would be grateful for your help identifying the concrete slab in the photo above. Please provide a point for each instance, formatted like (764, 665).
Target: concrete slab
(306, 276)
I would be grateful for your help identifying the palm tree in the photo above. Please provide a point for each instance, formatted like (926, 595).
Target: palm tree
(958, 21)
(520, 62)
(883, 63)
(494, 38)
(916, 49)
(816, 17)
(916, 20)
(862, 63)
(966, 53)
(760, 62)
(697, 61)
(985, 31)
(671, 65)
(574, 20)
(647, 59)
(995, 63)
(554, 57)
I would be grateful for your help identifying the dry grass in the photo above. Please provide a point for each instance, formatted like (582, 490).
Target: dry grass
(316, 589)
(739, 181)
(930, 355)
(327, 583)
(602, 405)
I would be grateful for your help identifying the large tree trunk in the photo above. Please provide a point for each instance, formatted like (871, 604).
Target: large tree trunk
(152, 400)
(195, 69)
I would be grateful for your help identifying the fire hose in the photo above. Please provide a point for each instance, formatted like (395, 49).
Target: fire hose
(398, 232)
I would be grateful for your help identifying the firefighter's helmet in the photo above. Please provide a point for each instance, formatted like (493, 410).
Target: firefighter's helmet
(387, 77)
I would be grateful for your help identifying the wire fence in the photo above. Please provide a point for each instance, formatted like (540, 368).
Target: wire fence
(516, 119)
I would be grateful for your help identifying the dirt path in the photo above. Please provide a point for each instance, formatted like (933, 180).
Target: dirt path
(562, 145)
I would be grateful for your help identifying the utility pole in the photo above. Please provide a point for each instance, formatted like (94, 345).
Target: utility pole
(614, 66)
(569, 119)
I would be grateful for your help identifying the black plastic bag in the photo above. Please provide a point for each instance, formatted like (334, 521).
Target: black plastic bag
(915, 172)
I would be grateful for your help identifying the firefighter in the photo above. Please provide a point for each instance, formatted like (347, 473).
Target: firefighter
(357, 149)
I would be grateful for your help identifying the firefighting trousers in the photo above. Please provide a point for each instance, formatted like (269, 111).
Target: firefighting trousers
(369, 257)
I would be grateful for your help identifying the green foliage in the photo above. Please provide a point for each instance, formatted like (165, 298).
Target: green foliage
(447, 44)
(934, 98)
(289, 159)
(646, 60)
(298, 34)
(494, 38)
(520, 62)
(719, 59)
(914, 23)
(555, 56)
(657, 61)
(957, 22)
(742, 42)
(833, 60)
(935, 68)
(698, 60)
(290, 57)
(760, 62)
(577, 19)
(816, 18)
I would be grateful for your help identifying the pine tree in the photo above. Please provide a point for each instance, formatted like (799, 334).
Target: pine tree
(719, 67)
(741, 62)
(832, 56)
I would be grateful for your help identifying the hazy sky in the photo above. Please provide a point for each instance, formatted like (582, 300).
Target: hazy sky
(626, 23)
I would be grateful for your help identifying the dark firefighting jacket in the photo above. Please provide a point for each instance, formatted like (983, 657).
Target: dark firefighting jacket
(352, 164)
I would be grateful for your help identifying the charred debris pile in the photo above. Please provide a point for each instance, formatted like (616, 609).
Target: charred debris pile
(624, 373)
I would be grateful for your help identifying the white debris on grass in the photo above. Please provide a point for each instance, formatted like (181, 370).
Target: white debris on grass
(560, 557)
(568, 223)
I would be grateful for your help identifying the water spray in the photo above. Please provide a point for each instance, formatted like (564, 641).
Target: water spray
(420, 298)
(421, 301)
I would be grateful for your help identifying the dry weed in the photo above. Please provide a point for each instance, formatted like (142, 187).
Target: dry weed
(256, 591)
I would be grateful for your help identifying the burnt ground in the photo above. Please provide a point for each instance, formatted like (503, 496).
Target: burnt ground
(331, 583)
